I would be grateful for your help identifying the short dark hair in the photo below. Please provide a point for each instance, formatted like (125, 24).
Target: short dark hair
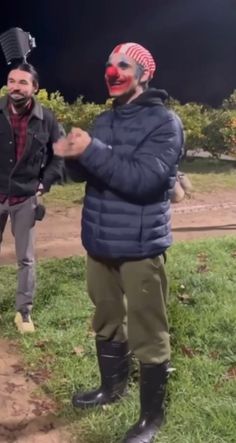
(23, 66)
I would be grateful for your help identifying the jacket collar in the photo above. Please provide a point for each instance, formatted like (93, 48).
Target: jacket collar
(37, 110)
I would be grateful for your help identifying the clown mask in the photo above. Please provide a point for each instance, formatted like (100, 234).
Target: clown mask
(123, 76)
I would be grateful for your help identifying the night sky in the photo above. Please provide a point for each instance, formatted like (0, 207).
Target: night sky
(193, 41)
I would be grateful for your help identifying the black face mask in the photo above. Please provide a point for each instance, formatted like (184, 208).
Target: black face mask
(19, 103)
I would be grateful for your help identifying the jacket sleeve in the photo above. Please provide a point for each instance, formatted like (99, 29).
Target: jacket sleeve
(146, 171)
(53, 170)
(75, 171)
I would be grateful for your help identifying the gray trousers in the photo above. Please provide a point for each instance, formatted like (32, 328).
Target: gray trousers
(22, 217)
(130, 303)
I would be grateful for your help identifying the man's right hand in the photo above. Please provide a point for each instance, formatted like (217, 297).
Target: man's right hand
(73, 145)
(61, 148)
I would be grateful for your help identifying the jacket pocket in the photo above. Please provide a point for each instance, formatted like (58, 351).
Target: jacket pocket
(41, 137)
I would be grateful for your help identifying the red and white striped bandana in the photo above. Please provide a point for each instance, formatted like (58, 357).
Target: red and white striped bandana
(139, 54)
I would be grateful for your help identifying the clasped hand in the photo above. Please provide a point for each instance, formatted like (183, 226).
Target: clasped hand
(73, 145)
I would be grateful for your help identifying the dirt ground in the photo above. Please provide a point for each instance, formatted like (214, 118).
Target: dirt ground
(203, 215)
(26, 418)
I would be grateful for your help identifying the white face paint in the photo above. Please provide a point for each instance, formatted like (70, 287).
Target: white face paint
(122, 76)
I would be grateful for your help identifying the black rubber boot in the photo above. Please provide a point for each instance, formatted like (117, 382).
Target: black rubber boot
(153, 380)
(113, 359)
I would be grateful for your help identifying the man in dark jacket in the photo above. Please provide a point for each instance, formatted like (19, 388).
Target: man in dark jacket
(129, 161)
(28, 168)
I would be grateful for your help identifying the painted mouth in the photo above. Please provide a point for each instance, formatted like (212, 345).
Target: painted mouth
(116, 83)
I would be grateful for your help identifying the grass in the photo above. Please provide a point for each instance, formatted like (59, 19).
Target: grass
(202, 312)
(206, 175)
(210, 174)
(65, 195)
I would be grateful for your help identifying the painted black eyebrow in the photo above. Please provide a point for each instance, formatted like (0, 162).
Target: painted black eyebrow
(123, 64)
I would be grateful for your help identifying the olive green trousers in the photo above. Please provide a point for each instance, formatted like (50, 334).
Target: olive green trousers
(130, 304)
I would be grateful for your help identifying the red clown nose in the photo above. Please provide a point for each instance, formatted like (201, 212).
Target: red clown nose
(112, 72)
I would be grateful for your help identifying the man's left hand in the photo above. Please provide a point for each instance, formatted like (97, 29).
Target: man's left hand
(40, 190)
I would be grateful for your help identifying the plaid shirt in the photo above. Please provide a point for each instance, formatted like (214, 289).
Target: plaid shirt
(19, 124)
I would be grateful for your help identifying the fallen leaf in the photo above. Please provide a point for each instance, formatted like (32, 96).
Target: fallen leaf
(79, 351)
(189, 352)
(42, 406)
(41, 344)
(37, 411)
(185, 298)
(202, 268)
(17, 369)
(202, 257)
(10, 387)
(47, 428)
(39, 376)
(230, 374)
(214, 355)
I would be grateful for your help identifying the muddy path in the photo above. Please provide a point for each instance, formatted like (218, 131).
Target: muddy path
(25, 415)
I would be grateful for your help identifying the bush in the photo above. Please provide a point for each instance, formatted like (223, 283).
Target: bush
(54, 101)
(76, 114)
(220, 133)
(194, 117)
(230, 103)
(205, 128)
(83, 114)
(79, 113)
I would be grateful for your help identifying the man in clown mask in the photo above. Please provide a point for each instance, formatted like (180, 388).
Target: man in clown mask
(129, 160)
